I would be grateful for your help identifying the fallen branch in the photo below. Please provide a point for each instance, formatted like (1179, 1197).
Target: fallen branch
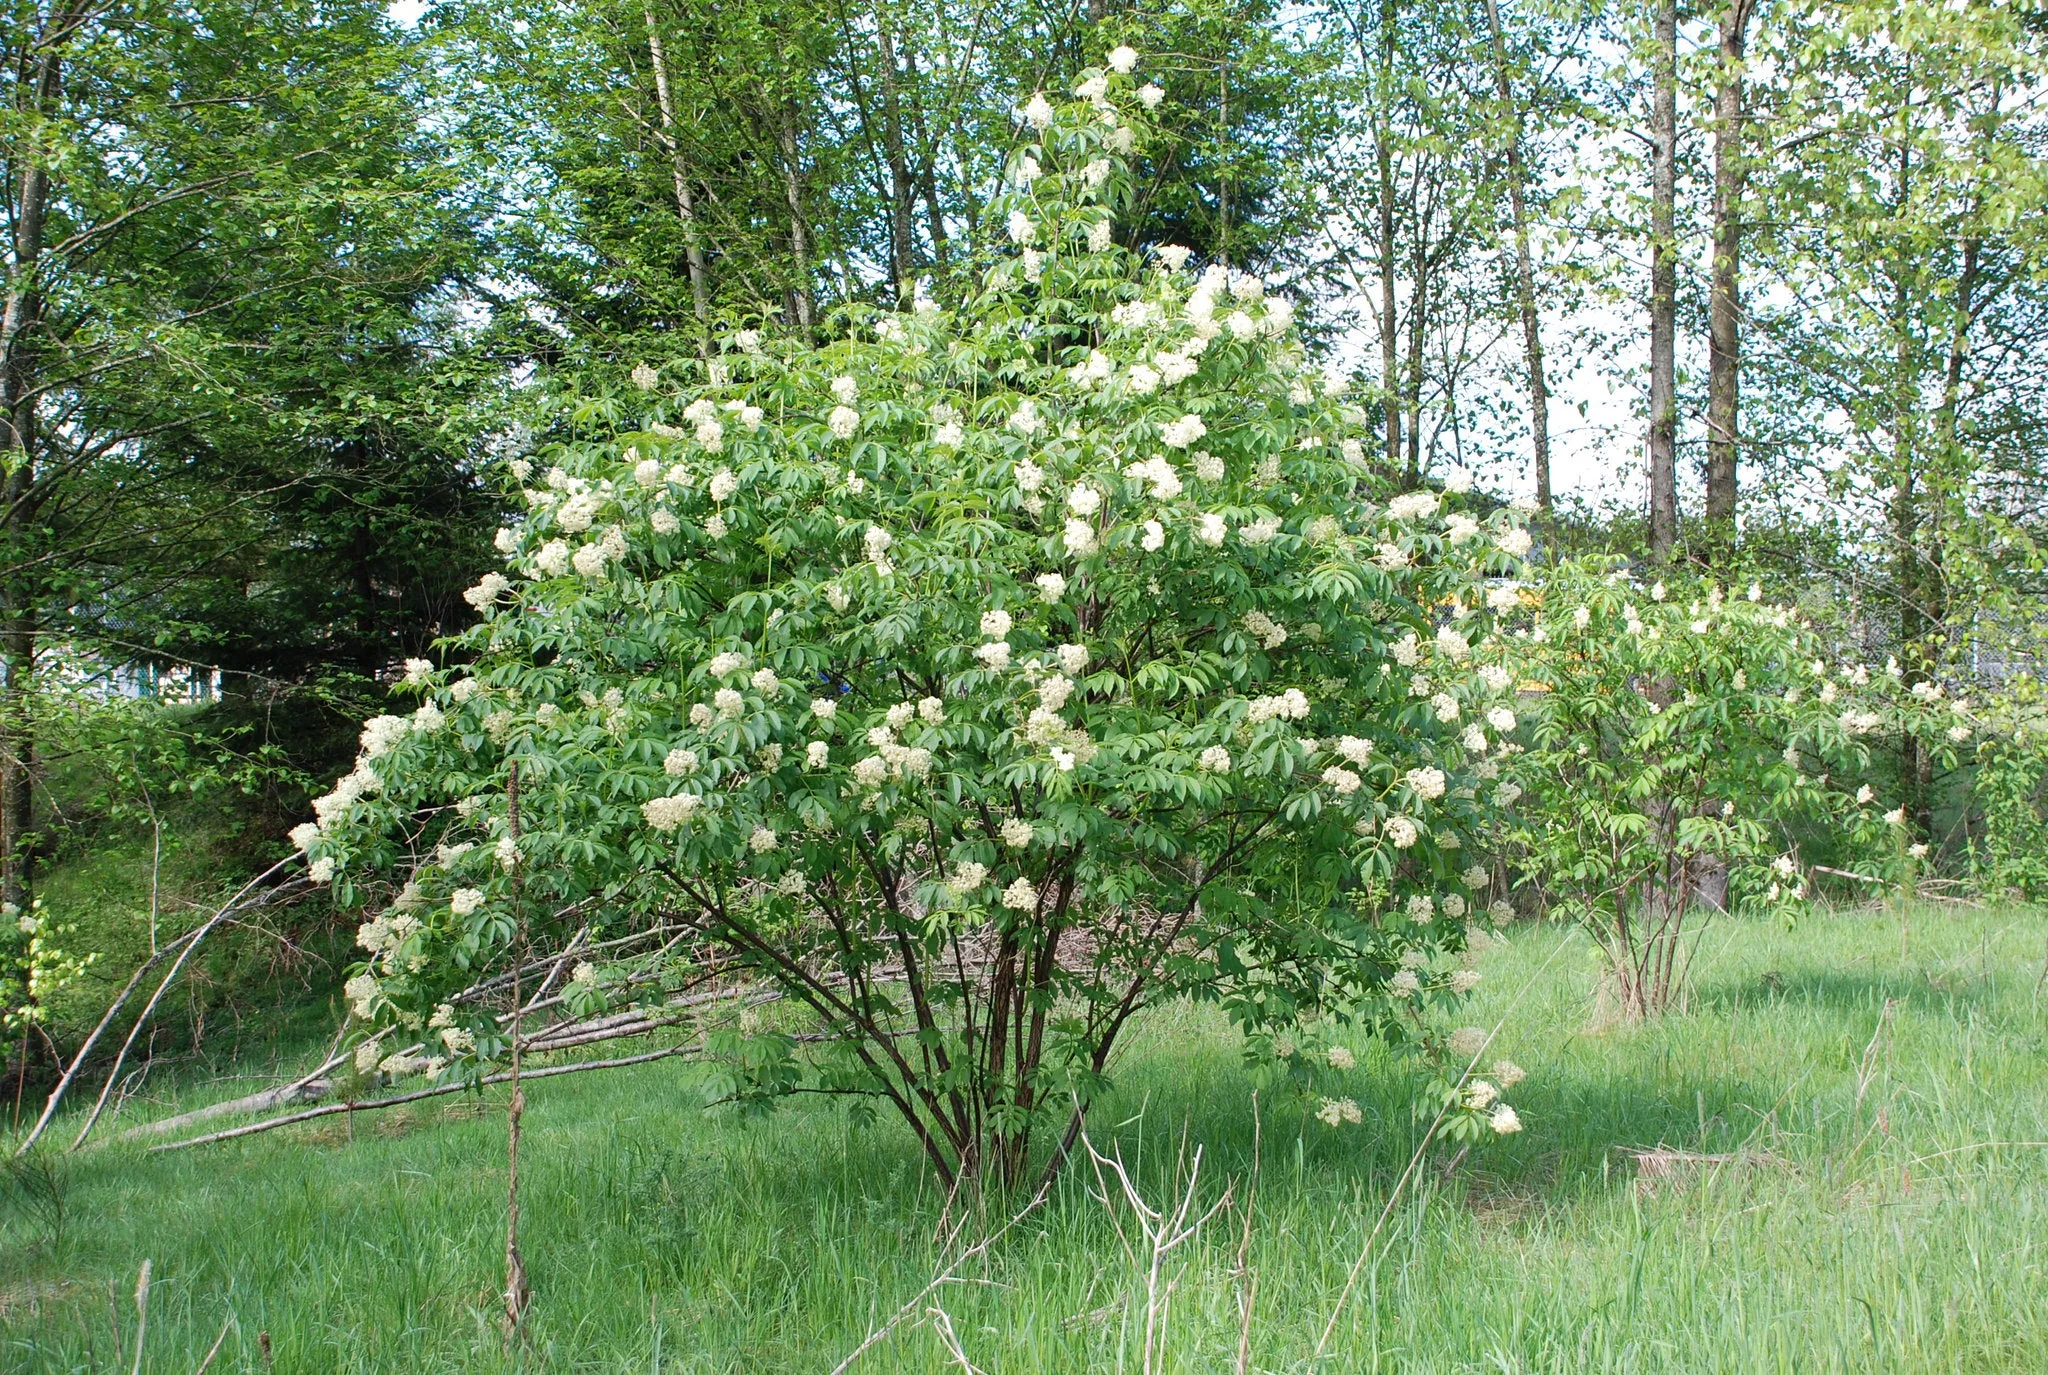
(1845, 873)
(148, 1009)
(310, 1089)
(569, 1035)
(188, 941)
(439, 1090)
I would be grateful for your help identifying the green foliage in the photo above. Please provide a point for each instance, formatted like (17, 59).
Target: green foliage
(976, 679)
(244, 399)
(2010, 790)
(38, 960)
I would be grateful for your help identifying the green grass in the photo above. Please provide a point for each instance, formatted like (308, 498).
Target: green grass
(1876, 1223)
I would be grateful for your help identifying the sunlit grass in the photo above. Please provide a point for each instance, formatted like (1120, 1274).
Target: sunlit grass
(1875, 1215)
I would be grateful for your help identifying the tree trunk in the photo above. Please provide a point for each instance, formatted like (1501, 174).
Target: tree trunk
(1663, 438)
(686, 206)
(1525, 276)
(927, 178)
(902, 191)
(799, 231)
(1724, 304)
(1418, 328)
(1923, 591)
(19, 323)
(1390, 360)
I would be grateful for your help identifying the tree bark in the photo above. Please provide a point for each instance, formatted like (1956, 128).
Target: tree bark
(1525, 276)
(927, 178)
(20, 322)
(1383, 139)
(1418, 328)
(799, 231)
(686, 206)
(1724, 302)
(1663, 436)
(902, 190)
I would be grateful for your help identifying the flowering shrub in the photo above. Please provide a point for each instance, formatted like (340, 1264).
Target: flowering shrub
(975, 680)
(1678, 734)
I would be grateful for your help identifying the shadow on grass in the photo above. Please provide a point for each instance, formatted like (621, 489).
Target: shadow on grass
(1831, 990)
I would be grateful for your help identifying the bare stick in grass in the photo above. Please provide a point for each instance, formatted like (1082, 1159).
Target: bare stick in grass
(214, 1350)
(517, 1292)
(944, 1276)
(942, 1324)
(1247, 1278)
(1414, 1161)
(1165, 1231)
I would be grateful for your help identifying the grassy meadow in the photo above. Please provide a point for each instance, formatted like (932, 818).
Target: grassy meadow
(1877, 1200)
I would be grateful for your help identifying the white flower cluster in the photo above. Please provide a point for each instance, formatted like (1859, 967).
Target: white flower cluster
(671, 813)
(1291, 705)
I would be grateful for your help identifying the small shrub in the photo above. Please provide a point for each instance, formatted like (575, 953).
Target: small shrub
(1678, 735)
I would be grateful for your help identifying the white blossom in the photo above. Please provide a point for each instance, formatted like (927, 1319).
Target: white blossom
(1178, 434)
(1413, 506)
(552, 561)
(1334, 1112)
